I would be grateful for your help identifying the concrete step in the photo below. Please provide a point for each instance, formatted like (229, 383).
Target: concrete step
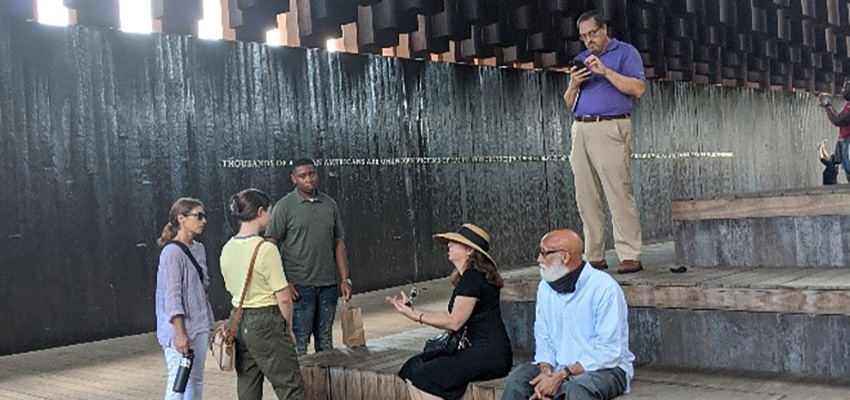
(133, 367)
(804, 227)
(774, 320)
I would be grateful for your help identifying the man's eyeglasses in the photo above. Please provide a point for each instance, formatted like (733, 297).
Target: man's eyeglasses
(590, 34)
(546, 253)
(199, 215)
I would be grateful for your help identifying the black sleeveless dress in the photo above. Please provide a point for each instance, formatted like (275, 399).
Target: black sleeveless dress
(488, 357)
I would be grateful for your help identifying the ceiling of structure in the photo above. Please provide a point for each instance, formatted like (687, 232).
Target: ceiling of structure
(768, 44)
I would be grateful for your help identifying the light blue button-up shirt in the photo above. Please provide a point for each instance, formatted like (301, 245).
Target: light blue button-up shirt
(589, 326)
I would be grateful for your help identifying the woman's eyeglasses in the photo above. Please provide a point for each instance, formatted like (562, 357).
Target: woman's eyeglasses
(199, 215)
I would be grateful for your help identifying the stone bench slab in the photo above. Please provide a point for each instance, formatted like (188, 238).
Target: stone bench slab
(807, 227)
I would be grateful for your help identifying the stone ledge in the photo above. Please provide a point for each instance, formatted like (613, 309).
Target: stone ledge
(805, 202)
(783, 290)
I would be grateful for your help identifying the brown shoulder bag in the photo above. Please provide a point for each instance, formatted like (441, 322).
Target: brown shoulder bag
(221, 344)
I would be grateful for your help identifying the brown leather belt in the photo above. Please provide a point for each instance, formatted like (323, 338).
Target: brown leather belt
(597, 118)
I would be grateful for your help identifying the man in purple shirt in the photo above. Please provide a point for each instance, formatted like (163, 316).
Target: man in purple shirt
(603, 81)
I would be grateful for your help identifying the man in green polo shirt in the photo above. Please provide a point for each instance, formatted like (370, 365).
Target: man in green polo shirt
(307, 226)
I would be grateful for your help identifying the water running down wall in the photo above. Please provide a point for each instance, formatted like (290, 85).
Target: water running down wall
(102, 130)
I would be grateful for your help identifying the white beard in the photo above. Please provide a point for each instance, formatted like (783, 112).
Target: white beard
(553, 273)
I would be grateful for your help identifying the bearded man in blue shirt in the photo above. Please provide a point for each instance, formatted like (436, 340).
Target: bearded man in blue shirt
(604, 82)
(581, 330)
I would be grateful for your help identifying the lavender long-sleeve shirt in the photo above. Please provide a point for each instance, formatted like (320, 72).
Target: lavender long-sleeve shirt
(179, 291)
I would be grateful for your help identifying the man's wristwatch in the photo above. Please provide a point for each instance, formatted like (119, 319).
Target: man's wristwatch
(348, 281)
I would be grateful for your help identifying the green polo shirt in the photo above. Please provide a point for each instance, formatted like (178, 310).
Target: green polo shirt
(306, 231)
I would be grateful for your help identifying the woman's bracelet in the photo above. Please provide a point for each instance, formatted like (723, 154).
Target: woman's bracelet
(420, 318)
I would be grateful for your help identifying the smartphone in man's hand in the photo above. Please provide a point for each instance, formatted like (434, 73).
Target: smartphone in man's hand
(579, 65)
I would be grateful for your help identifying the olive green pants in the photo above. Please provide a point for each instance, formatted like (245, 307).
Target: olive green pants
(264, 349)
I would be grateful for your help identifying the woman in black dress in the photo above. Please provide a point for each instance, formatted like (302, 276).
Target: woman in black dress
(474, 305)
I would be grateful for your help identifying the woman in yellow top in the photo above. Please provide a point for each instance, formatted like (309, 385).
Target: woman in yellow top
(264, 341)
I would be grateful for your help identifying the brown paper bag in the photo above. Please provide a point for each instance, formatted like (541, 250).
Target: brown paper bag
(353, 334)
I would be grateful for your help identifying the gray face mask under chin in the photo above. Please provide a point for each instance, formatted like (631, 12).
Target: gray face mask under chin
(553, 273)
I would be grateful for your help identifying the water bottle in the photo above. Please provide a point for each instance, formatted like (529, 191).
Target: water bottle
(183, 372)
(414, 293)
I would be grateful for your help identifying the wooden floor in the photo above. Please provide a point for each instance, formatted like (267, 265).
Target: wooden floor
(667, 384)
(789, 290)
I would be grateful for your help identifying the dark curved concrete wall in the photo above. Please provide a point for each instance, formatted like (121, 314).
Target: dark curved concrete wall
(102, 130)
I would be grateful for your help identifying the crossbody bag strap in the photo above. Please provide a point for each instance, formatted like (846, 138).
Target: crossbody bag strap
(238, 313)
(191, 258)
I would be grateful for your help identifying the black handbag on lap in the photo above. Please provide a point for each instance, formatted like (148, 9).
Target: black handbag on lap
(447, 343)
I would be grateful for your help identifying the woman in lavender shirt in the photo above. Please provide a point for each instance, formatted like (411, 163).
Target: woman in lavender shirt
(183, 312)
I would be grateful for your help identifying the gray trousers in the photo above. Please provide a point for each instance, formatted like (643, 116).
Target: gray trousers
(591, 385)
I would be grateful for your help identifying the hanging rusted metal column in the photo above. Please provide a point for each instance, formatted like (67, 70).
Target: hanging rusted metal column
(178, 16)
(101, 13)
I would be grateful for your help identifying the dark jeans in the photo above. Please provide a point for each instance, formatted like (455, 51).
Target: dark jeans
(313, 315)
(591, 385)
(842, 156)
(264, 350)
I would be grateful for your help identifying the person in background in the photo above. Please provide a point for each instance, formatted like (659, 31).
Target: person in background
(601, 94)
(581, 330)
(842, 121)
(183, 312)
(830, 165)
(308, 228)
(474, 306)
(265, 344)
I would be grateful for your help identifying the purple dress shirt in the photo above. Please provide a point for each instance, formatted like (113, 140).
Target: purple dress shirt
(179, 291)
(598, 96)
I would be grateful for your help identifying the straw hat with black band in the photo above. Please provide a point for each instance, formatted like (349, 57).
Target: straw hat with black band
(469, 235)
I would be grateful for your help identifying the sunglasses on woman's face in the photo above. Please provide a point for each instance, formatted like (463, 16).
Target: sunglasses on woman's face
(199, 215)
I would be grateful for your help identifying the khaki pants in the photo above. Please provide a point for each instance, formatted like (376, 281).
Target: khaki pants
(264, 350)
(601, 158)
